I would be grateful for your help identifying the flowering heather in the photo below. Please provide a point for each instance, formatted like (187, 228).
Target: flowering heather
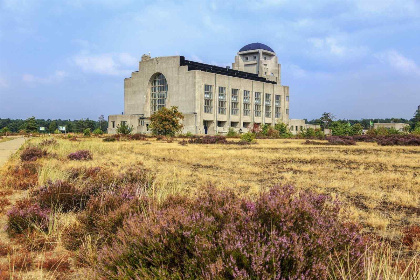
(48, 142)
(32, 154)
(284, 234)
(61, 195)
(402, 140)
(26, 215)
(80, 155)
(208, 139)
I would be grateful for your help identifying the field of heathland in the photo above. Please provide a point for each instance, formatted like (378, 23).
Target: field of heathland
(151, 208)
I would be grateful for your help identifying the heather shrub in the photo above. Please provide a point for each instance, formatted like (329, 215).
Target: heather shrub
(4, 202)
(411, 235)
(55, 263)
(403, 140)
(208, 139)
(5, 249)
(32, 154)
(21, 261)
(341, 140)
(283, 234)
(136, 136)
(109, 139)
(48, 142)
(22, 176)
(60, 195)
(80, 155)
(27, 215)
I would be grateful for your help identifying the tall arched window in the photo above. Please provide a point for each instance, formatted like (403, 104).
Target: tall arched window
(159, 91)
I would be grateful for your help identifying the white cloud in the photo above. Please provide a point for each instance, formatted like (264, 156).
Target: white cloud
(106, 64)
(58, 76)
(399, 62)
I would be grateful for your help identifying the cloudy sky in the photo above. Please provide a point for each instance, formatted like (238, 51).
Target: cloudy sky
(68, 58)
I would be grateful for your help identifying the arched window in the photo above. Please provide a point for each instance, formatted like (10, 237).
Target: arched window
(159, 90)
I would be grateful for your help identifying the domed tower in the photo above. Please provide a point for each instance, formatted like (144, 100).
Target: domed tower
(259, 59)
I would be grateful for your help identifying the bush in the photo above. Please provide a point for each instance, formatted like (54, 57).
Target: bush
(86, 132)
(341, 140)
(32, 154)
(124, 129)
(27, 215)
(231, 132)
(80, 155)
(60, 195)
(166, 121)
(98, 131)
(109, 139)
(248, 137)
(136, 136)
(283, 130)
(283, 234)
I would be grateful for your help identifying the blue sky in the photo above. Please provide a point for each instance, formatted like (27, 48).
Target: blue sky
(68, 58)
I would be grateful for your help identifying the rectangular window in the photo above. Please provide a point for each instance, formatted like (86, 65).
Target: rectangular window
(208, 99)
(287, 111)
(257, 101)
(247, 103)
(113, 124)
(222, 100)
(268, 105)
(277, 103)
(287, 98)
(235, 101)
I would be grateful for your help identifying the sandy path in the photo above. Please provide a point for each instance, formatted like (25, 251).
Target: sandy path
(8, 148)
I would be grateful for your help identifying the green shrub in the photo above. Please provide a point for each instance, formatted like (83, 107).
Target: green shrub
(86, 132)
(231, 132)
(248, 137)
(283, 130)
(124, 128)
(98, 131)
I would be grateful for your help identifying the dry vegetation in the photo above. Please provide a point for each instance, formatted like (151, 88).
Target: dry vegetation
(379, 187)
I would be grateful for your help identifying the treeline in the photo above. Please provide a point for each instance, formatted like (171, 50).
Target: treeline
(33, 125)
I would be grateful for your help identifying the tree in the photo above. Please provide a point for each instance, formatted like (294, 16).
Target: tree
(357, 129)
(124, 128)
(166, 121)
(5, 130)
(283, 130)
(30, 125)
(326, 120)
(103, 124)
(53, 126)
(415, 121)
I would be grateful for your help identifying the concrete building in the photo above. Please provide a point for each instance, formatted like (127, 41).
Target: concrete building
(398, 126)
(211, 98)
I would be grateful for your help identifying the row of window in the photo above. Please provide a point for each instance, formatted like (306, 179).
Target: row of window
(208, 102)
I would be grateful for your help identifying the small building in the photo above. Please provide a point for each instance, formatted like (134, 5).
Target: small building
(211, 98)
(397, 126)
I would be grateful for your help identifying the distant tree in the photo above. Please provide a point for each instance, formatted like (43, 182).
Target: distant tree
(53, 126)
(283, 130)
(415, 121)
(102, 123)
(166, 121)
(31, 125)
(326, 120)
(5, 130)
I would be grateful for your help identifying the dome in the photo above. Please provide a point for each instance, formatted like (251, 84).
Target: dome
(255, 46)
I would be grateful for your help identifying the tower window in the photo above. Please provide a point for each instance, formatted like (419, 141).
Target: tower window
(246, 58)
(255, 57)
(277, 106)
(257, 100)
(247, 105)
(222, 100)
(268, 105)
(159, 91)
(235, 101)
(265, 58)
(208, 99)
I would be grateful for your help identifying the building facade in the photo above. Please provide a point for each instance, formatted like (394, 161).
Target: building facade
(211, 98)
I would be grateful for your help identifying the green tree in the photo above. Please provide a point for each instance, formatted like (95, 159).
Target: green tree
(5, 130)
(53, 126)
(166, 121)
(283, 130)
(357, 129)
(124, 128)
(31, 125)
(326, 120)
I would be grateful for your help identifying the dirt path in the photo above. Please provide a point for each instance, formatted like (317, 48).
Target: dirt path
(8, 148)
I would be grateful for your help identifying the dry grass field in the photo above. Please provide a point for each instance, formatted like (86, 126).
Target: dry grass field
(379, 186)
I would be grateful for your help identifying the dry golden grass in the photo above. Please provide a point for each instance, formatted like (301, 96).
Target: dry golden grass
(380, 186)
